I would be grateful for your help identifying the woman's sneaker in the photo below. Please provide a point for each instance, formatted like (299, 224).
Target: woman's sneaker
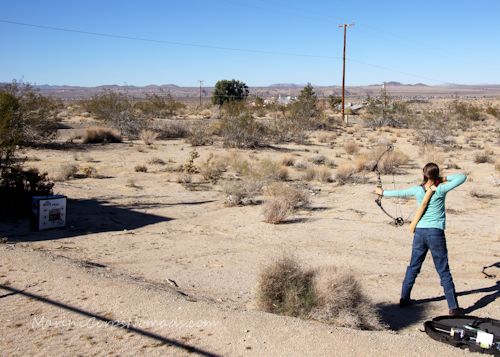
(405, 302)
(457, 312)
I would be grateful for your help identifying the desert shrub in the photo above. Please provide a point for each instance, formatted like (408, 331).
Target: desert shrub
(184, 178)
(189, 167)
(241, 192)
(295, 197)
(288, 160)
(212, 168)
(26, 117)
(351, 147)
(328, 295)
(66, 172)
(200, 134)
(318, 159)
(141, 168)
(89, 172)
(483, 157)
(464, 113)
(326, 137)
(323, 175)
(238, 128)
(286, 288)
(156, 161)
(334, 101)
(340, 301)
(171, 130)
(382, 111)
(309, 174)
(300, 165)
(276, 210)
(96, 135)
(116, 110)
(18, 186)
(493, 110)
(346, 173)
(147, 136)
(434, 129)
(161, 105)
(270, 170)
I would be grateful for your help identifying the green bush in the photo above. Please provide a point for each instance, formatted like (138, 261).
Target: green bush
(18, 186)
(26, 117)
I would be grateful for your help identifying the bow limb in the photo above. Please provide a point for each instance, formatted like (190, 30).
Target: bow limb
(398, 221)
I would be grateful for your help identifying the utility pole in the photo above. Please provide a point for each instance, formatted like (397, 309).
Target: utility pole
(201, 83)
(344, 26)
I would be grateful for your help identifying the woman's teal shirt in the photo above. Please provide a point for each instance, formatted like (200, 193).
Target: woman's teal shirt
(435, 215)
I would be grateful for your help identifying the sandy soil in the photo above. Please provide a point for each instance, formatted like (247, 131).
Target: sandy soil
(111, 263)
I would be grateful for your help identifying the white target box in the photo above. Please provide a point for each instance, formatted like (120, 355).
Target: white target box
(48, 212)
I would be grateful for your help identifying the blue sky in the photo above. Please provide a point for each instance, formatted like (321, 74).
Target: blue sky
(426, 41)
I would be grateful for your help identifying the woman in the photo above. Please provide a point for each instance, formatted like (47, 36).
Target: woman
(429, 233)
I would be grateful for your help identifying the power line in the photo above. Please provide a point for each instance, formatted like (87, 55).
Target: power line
(198, 45)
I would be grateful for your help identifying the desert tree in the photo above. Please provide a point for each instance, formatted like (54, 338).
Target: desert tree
(229, 91)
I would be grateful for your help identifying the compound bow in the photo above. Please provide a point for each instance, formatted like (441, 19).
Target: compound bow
(397, 221)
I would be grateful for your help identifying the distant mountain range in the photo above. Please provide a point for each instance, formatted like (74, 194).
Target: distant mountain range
(417, 90)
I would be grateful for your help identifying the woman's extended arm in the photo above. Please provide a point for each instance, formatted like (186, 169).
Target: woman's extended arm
(402, 193)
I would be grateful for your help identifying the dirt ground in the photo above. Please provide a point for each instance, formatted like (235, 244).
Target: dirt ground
(147, 265)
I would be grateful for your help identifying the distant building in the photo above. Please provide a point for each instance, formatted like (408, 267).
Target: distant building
(285, 100)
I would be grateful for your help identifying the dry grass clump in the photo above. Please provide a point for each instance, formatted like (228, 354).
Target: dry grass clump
(184, 178)
(328, 295)
(318, 159)
(241, 192)
(276, 210)
(351, 147)
(323, 175)
(96, 135)
(309, 174)
(66, 172)
(141, 168)
(483, 157)
(347, 173)
(288, 160)
(326, 137)
(212, 168)
(286, 288)
(271, 170)
(300, 165)
(340, 301)
(148, 137)
(156, 161)
(480, 194)
(497, 166)
(296, 198)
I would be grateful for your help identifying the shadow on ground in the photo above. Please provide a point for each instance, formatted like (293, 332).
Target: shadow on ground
(399, 318)
(123, 325)
(84, 217)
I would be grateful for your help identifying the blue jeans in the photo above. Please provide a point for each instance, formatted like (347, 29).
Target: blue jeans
(433, 239)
